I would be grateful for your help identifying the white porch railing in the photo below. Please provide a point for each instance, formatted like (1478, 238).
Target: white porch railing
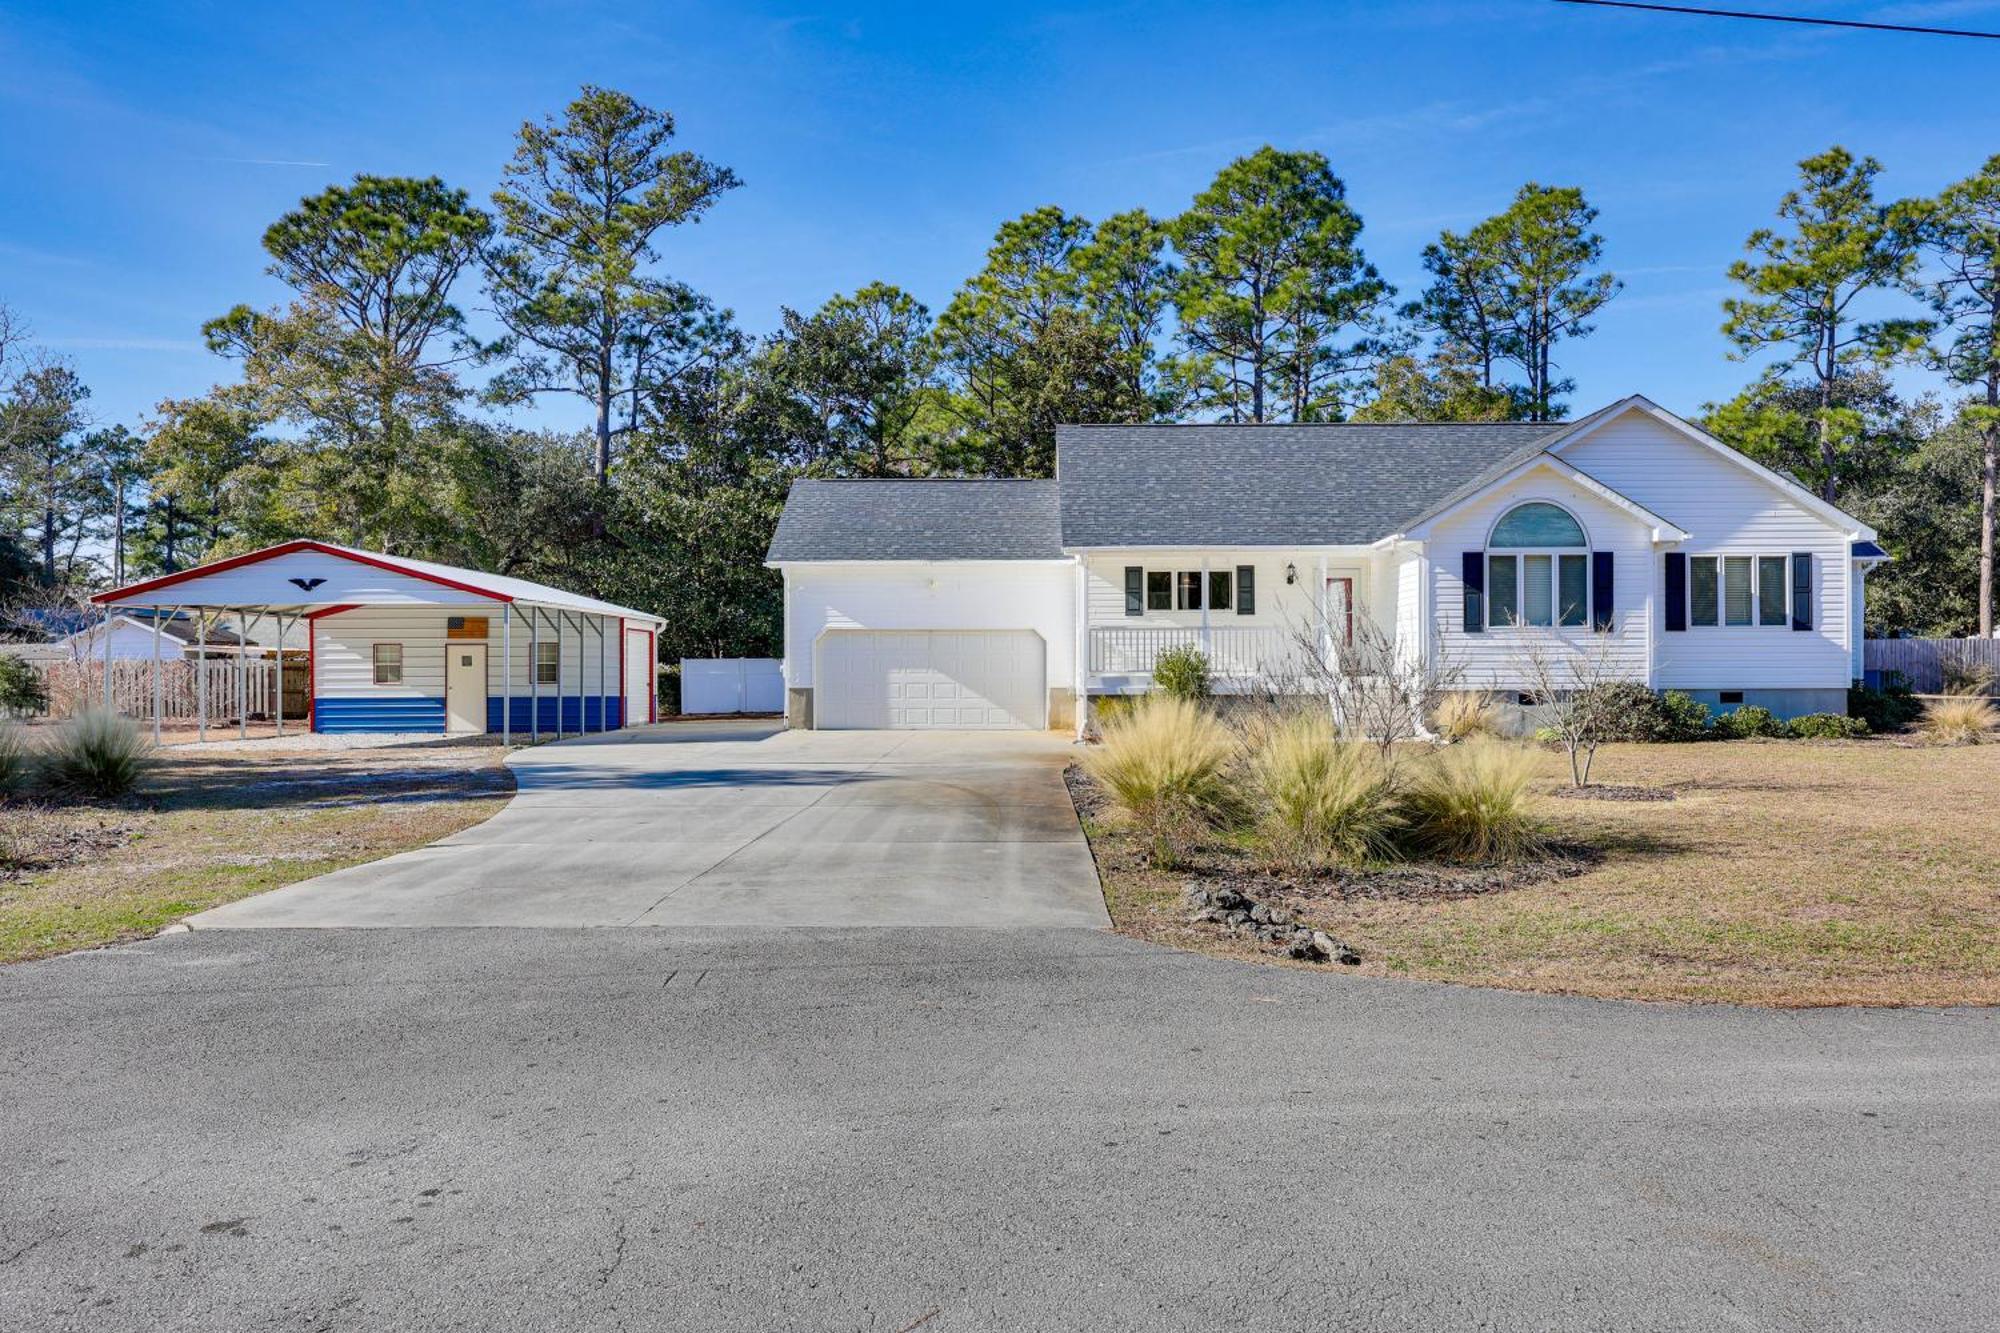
(1233, 651)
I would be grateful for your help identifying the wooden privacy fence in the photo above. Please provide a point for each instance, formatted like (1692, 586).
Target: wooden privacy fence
(73, 686)
(1934, 665)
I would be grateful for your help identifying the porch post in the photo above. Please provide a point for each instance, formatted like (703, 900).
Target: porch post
(1207, 646)
(1080, 655)
(507, 674)
(534, 677)
(156, 675)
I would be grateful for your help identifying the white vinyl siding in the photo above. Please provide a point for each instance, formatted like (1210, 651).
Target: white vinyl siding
(1727, 510)
(344, 653)
(1492, 659)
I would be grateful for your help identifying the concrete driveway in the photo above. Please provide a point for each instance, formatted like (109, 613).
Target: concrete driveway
(739, 824)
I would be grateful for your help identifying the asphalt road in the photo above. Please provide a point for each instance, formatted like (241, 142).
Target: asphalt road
(951, 1130)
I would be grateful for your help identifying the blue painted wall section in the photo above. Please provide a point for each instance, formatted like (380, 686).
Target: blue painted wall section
(352, 716)
(347, 716)
(586, 714)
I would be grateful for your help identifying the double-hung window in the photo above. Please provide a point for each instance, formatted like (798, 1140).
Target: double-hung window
(1159, 590)
(1738, 591)
(548, 662)
(1188, 586)
(1537, 568)
(388, 664)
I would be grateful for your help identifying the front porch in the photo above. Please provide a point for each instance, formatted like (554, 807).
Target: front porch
(1259, 615)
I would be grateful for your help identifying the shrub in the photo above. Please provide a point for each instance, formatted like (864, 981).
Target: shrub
(1747, 721)
(1628, 711)
(1472, 803)
(1182, 673)
(1958, 719)
(1165, 765)
(1826, 727)
(1322, 800)
(97, 754)
(16, 764)
(1464, 715)
(1110, 707)
(22, 689)
(1892, 707)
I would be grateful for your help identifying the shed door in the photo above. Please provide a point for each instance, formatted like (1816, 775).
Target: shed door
(465, 688)
(918, 680)
(639, 688)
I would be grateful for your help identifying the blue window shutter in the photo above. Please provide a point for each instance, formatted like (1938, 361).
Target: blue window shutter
(1472, 569)
(1246, 590)
(1802, 588)
(1601, 603)
(1677, 590)
(1135, 590)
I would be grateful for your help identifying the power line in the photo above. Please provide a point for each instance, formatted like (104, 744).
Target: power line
(1783, 18)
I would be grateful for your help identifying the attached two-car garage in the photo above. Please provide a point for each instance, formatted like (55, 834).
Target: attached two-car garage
(914, 680)
(920, 604)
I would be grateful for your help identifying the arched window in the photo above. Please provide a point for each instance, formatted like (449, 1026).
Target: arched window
(1537, 568)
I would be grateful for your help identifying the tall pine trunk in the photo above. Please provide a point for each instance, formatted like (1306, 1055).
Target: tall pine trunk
(1989, 459)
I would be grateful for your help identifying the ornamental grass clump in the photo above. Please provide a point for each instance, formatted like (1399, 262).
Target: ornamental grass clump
(1166, 766)
(16, 763)
(1321, 800)
(1472, 803)
(1464, 715)
(1958, 719)
(96, 754)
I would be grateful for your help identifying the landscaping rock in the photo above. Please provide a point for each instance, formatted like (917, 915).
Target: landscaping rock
(1271, 924)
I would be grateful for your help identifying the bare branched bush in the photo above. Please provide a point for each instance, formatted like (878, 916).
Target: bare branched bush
(1378, 689)
(1570, 683)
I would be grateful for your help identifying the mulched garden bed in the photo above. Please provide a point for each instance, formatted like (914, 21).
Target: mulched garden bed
(1603, 791)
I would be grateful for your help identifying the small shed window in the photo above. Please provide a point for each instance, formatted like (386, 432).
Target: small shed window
(548, 663)
(388, 664)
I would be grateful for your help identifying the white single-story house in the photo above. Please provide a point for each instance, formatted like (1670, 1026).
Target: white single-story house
(1629, 532)
(401, 645)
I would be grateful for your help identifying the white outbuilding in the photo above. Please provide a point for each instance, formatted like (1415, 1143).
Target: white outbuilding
(400, 645)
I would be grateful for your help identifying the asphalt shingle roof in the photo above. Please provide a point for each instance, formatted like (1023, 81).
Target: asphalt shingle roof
(1330, 485)
(919, 519)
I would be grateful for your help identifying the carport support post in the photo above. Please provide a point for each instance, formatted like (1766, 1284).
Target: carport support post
(156, 675)
(107, 659)
(534, 678)
(278, 675)
(242, 682)
(201, 672)
(603, 707)
(507, 675)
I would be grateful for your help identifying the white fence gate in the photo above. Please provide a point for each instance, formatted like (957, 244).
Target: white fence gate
(732, 685)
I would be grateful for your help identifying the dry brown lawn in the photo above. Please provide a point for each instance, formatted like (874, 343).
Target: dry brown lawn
(1790, 873)
(214, 825)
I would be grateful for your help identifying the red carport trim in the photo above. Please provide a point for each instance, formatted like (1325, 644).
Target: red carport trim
(288, 548)
(312, 659)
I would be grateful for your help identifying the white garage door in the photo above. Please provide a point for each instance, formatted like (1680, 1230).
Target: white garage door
(981, 680)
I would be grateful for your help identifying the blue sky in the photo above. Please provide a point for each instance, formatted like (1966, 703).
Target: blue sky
(147, 147)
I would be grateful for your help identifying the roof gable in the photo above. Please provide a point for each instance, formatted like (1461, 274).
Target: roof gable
(1272, 485)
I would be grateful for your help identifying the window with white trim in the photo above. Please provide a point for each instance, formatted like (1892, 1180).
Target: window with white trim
(548, 662)
(1732, 591)
(1537, 568)
(388, 664)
